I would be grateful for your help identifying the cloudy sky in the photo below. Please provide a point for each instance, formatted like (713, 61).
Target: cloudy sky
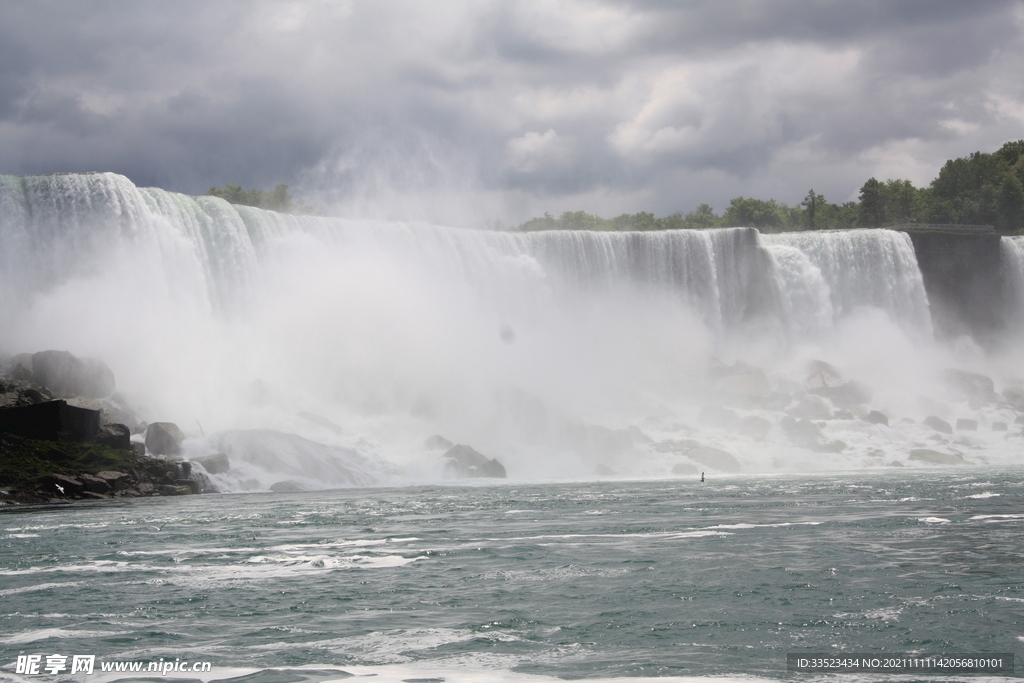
(460, 111)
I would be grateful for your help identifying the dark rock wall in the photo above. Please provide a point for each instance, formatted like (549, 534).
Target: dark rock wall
(963, 277)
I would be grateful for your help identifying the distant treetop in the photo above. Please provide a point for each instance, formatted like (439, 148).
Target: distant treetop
(277, 199)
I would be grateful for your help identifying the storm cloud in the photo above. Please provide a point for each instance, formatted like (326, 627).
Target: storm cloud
(463, 111)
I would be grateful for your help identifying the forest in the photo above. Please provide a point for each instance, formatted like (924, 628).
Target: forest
(979, 189)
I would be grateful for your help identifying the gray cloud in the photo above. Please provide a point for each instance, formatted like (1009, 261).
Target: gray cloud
(511, 107)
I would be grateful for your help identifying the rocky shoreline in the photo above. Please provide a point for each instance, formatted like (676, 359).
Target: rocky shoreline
(64, 437)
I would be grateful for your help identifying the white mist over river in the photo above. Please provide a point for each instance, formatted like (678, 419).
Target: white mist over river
(325, 350)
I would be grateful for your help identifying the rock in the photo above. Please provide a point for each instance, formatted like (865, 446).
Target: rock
(685, 468)
(192, 485)
(844, 415)
(71, 485)
(114, 435)
(812, 407)
(50, 421)
(138, 448)
(802, 432)
(287, 486)
(877, 418)
(322, 422)
(938, 424)
(714, 457)
(754, 385)
(821, 375)
(164, 438)
(706, 455)
(1014, 396)
(437, 442)
(638, 435)
(146, 488)
(895, 463)
(717, 416)
(65, 375)
(755, 427)
(94, 483)
(999, 427)
(935, 457)
(970, 385)
(846, 395)
(217, 463)
(173, 490)
(465, 462)
(115, 480)
(965, 425)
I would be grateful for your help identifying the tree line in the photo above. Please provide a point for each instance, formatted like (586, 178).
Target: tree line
(979, 189)
(278, 199)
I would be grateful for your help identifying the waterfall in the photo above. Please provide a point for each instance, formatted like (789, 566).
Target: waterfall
(1012, 253)
(829, 274)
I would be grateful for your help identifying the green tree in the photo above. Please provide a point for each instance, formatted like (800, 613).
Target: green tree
(1010, 205)
(768, 216)
(811, 202)
(872, 204)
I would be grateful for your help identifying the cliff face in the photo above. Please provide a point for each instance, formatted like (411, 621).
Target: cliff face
(964, 280)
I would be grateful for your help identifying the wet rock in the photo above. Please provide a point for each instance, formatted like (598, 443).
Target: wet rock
(437, 442)
(877, 418)
(752, 386)
(164, 438)
(821, 375)
(115, 436)
(706, 455)
(115, 480)
(812, 407)
(847, 395)
(802, 432)
(465, 462)
(844, 415)
(1014, 396)
(71, 485)
(936, 458)
(174, 490)
(717, 416)
(965, 425)
(66, 375)
(754, 426)
(287, 486)
(93, 483)
(970, 385)
(938, 424)
(50, 421)
(192, 485)
(217, 463)
(138, 448)
(685, 469)
(321, 421)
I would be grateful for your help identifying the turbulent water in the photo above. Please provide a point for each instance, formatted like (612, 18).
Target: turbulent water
(516, 581)
(323, 351)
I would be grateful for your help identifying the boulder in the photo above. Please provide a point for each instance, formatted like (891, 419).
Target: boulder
(173, 490)
(66, 375)
(877, 418)
(1014, 396)
(53, 483)
(706, 455)
(115, 480)
(164, 438)
(464, 462)
(752, 386)
(965, 425)
(938, 424)
(970, 385)
(321, 421)
(115, 436)
(847, 394)
(812, 407)
(437, 442)
(94, 483)
(936, 458)
(717, 416)
(754, 426)
(801, 432)
(217, 463)
(138, 448)
(287, 486)
(821, 375)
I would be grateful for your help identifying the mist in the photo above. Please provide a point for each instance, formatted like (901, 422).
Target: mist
(325, 351)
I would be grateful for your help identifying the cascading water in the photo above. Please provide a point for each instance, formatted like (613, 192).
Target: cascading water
(1012, 249)
(362, 338)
